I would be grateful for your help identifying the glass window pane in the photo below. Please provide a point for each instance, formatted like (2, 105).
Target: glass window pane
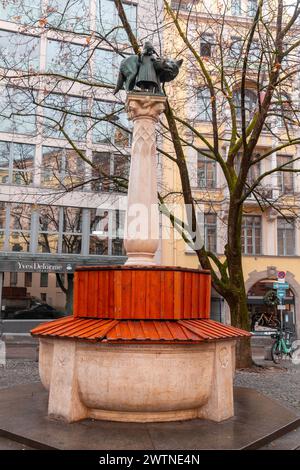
(71, 15)
(106, 65)
(71, 244)
(17, 111)
(49, 219)
(99, 228)
(61, 167)
(18, 51)
(67, 59)
(47, 243)
(72, 219)
(20, 11)
(108, 19)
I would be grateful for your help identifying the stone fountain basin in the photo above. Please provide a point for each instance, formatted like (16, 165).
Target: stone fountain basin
(137, 382)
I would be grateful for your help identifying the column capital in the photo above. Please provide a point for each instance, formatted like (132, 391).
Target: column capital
(141, 105)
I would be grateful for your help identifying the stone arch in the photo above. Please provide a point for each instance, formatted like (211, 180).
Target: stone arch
(255, 276)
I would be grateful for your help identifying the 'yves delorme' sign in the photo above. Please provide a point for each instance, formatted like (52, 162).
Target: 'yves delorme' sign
(36, 266)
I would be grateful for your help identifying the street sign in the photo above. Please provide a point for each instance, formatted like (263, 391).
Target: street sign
(281, 294)
(280, 285)
(281, 307)
(281, 275)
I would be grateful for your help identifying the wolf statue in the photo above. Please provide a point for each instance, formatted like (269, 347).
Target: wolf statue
(146, 71)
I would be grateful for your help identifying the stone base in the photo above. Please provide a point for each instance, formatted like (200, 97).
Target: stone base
(138, 382)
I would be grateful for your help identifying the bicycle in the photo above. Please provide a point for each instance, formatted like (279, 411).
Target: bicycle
(265, 320)
(282, 345)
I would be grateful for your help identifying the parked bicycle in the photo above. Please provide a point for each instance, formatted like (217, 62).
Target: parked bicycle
(262, 319)
(283, 345)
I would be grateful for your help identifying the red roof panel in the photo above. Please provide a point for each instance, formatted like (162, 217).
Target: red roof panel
(165, 331)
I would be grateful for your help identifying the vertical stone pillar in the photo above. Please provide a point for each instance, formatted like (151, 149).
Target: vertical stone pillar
(142, 221)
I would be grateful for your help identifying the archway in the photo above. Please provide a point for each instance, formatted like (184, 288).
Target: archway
(268, 277)
(263, 306)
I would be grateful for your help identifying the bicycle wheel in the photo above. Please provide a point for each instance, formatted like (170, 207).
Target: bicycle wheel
(276, 354)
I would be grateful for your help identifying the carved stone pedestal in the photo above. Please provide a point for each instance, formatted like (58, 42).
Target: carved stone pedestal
(142, 223)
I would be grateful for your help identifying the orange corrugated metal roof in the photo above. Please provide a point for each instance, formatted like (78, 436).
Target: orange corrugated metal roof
(167, 331)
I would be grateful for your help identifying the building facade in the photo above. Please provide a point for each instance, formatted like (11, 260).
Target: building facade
(270, 237)
(64, 144)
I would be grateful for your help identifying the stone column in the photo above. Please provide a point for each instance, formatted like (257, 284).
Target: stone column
(142, 221)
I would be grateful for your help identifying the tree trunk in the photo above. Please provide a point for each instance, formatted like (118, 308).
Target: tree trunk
(237, 298)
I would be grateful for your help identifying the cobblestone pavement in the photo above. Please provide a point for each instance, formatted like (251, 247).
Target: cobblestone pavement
(17, 372)
(279, 382)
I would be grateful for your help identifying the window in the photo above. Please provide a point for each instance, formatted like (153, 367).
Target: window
(203, 105)
(61, 167)
(206, 45)
(48, 229)
(70, 15)
(44, 280)
(13, 279)
(28, 279)
(252, 7)
(236, 9)
(99, 229)
(106, 232)
(250, 104)
(118, 222)
(108, 19)
(285, 237)
(72, 230)
(251, 235)
(19, 227)
(210, 232)
(18, 51)
(206, 172)
(16, 163)
(67, 59)
(285, 178)
(236, 47)
(106, 65)
(110, 124)
(254, 172)
(108, 165)
(20, 11)
(17, 111)
(43, 296)
(67, 112)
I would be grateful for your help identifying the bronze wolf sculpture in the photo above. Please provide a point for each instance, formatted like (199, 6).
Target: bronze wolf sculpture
(166, 71)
